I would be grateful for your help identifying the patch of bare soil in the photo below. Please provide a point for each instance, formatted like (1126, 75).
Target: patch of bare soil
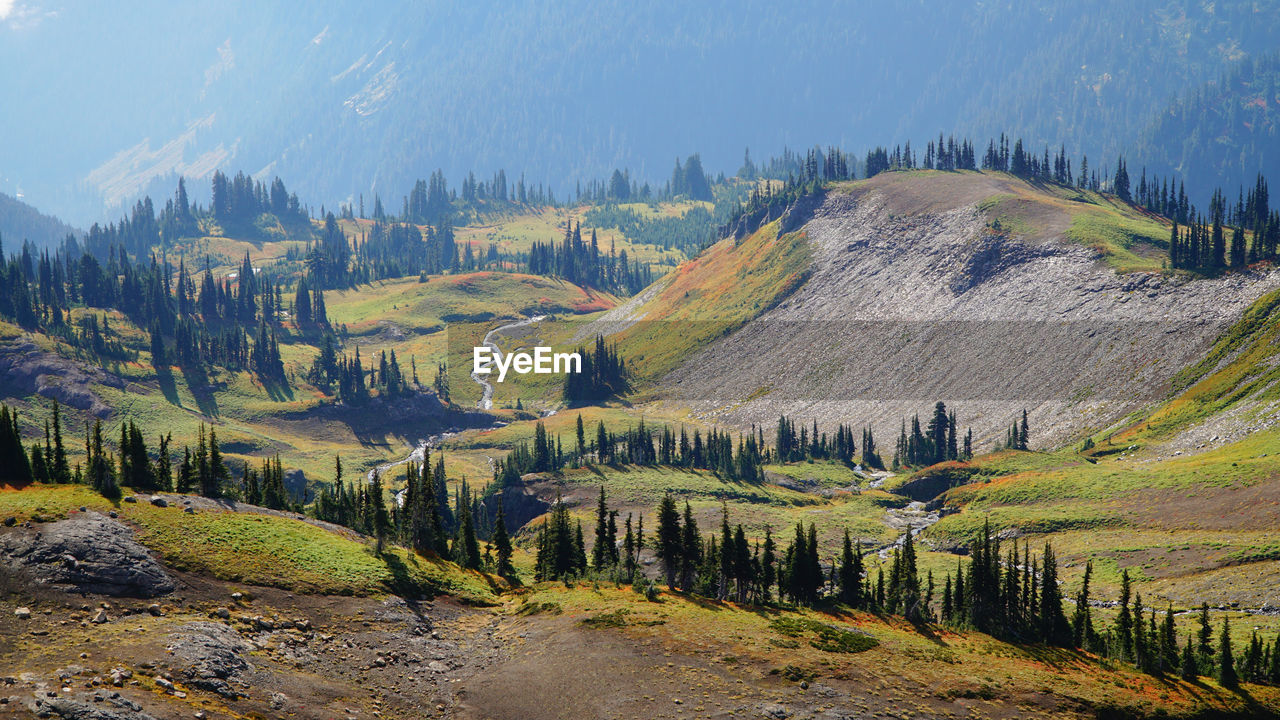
(1252, 505)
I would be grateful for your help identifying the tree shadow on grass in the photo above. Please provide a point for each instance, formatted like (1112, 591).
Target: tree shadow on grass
(402, 582)
(198, 383)
(168, 386)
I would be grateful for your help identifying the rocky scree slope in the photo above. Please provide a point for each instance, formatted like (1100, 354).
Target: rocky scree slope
(915, 295)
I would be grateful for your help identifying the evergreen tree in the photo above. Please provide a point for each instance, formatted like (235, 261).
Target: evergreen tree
(502, 544)
(669, 539)
(1227, 675)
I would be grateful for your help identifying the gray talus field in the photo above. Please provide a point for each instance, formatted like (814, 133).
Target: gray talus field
(975, 289)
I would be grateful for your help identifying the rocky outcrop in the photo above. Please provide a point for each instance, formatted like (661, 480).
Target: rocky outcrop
(26, 369)
(110, 707)
(85, 553)
(211, 656)
(520, 503)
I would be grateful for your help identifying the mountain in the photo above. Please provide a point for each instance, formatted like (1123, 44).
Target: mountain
(1221, 134)
(19, 221)
(343, 99)
(981, 290)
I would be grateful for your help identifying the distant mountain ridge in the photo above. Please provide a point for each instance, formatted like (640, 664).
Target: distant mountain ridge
(343, 99)
(19, 221)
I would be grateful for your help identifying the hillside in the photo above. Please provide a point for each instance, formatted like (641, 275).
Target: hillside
(20, 222)
(976, 289)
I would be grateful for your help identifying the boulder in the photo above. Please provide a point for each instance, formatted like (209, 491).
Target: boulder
(211, 656)
(86, 553)
(22, 613)
(159, 501)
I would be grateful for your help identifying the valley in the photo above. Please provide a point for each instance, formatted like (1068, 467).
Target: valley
(1022, 366)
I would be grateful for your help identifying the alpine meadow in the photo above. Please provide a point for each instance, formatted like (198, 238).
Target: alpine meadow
(519, 361)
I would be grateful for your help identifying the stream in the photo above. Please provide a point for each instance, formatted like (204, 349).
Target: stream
(486, 400)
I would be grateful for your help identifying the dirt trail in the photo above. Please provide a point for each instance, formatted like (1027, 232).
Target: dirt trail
(486, 400)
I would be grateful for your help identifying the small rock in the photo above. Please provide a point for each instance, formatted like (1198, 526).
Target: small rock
(303, 625)
(189, 511)
(223, 613)
(379, 662)
(200, 715)
(154, 609)
(22, 613)
(164, 683)
(237, 596)
(10, 521)
(100, 617)
(131, 499)
(437, 666)
(677, 701)
(159, 501)
(113, 514)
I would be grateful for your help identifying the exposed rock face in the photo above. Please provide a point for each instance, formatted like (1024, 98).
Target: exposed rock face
(26, 369)
(86, 553)
(211, 656)
(915, 296)
(520, 504)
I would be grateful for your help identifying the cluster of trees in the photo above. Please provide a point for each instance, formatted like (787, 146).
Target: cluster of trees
(239, 201)
(1013, 595)
(790, 446)
(740, 461)
(135, 466)
(946, 154)
(581, 262)
(232, 323)
(937, 442)
(604, 375)
(348, 378)
(640, 445)
(1204, 245)
(1017, 436)
(688, 232)
(421, 517)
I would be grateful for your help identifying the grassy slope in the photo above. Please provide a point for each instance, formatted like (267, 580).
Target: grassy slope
(270, 550)
(917, 674)
(714, 294)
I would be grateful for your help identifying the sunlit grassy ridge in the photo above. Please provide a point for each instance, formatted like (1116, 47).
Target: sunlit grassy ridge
(729, 284)
(259, 549)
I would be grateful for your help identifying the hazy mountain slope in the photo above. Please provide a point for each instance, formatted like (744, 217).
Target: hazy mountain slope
(1221, 134)
(340, 98)
(19, 221)
(975, 289)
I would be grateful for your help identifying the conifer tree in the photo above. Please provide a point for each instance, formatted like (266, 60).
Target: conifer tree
(1227, 675)
(669, 539)
(502, 544)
